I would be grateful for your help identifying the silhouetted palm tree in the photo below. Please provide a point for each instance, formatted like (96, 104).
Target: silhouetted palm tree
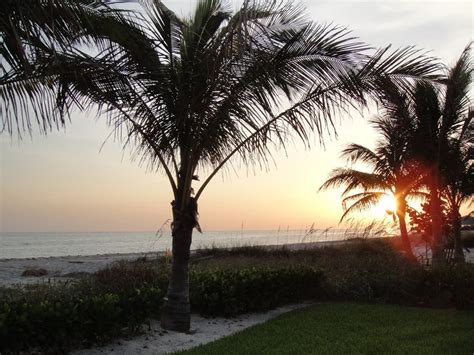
(193, 93)
(392, 173)
(441, 115)
(458, 180)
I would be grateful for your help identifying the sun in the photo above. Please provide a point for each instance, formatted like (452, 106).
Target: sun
(386, 205)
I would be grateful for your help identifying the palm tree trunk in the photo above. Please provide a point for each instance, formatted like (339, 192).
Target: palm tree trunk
(437, 247)
(458, 252)
(401, 212)
(406, 245)
(176, 312)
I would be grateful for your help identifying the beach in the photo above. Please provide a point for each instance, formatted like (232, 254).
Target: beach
(59, 268)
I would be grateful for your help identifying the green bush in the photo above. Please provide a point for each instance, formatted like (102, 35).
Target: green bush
(57, 317)
(231, 292)
(379, 277)
(80, 319)
(448, 286)
(375, 272)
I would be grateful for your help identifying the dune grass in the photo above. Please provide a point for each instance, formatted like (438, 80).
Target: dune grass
(343, 328)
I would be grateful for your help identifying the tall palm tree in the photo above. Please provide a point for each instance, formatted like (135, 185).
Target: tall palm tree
(392, 173)
(192, 94)
(441, 116)
(458, 180)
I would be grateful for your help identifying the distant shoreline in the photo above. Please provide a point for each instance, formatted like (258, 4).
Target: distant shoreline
(292, 246)
(37, 245)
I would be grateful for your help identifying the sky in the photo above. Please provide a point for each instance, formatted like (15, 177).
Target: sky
(70, 180)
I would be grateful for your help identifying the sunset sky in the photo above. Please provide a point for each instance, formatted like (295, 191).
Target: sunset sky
(65, 182)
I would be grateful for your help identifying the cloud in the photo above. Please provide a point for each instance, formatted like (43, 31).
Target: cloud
(441, 26)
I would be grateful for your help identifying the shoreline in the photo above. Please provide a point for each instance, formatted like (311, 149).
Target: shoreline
(292, 246)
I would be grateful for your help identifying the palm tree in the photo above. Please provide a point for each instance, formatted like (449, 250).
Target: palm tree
(458, 180)
(441, 116)
(192, 94)
(392, 173)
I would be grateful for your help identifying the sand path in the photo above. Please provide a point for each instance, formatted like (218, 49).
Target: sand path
(203, 330)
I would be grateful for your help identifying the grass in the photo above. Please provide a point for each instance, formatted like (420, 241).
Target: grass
(343, 328)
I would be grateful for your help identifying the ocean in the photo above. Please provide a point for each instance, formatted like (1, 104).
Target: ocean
(34, 245)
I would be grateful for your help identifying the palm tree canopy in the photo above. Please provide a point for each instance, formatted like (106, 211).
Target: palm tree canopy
(34, 35)
(391, 169)
(194, 92)
(420, 126)
(442, 113)
(459, 175)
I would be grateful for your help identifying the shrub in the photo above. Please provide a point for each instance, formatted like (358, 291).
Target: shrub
(231, 292)
(449, 286)
(56, 317)
(35, 272)
(370, 273)
(59, 316)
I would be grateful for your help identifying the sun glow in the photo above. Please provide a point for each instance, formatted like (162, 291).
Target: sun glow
(386, 205)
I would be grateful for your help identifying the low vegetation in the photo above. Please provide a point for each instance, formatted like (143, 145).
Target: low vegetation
(34, 272)
(118, 300)
(341, 328)
(55, 317)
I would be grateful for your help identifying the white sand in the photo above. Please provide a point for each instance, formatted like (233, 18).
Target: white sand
(203, 330)
(58, 267)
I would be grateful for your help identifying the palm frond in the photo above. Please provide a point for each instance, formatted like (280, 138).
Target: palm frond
(353, 179)
(359, 153)
(367, 201)
(458, 84)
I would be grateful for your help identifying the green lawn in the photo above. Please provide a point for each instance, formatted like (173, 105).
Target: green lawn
(343, 328)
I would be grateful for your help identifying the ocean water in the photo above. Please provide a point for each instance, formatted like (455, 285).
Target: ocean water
(34, 245)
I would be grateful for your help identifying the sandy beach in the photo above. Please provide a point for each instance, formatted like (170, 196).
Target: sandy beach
(62, 267)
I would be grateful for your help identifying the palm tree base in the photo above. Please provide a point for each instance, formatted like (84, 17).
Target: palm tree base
(176, 315)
